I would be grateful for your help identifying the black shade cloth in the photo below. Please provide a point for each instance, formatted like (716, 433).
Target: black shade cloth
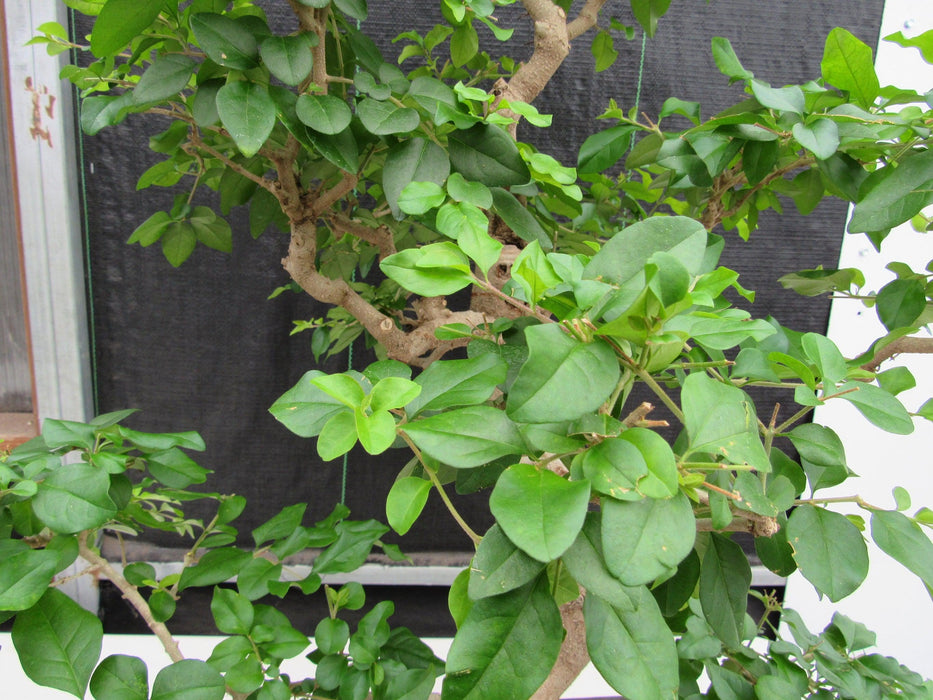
(201, 347)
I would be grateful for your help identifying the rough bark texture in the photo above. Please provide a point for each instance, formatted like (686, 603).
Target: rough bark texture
(573, 656)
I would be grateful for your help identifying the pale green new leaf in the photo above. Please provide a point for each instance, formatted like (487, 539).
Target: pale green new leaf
(418, 198)
(405, 501)
(305, 408)
(538, 510)
(414, 160)
(848, 65)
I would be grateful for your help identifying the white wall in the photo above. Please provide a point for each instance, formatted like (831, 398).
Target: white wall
(892, 602)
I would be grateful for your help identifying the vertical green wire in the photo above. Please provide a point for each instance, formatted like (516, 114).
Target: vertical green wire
(82, 183)
(641, 74)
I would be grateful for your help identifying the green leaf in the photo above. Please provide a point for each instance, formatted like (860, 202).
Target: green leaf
(74, 498)
(604, 149)
(721, 419)
(58, 643)
(464, 43)
(418, 198)
(326, 114)
(646, 539)
(822, 455)
(247, 113)
(121, 21)
(823, 352)
(517, 217)
(449, 383)
(305, 408)
(587, 564)
(648, 12)
(785, 99)
(225, 41)
(178, 242)
(900, 302)
(467, 437)
(65, 433)
(614, 467)
(820, 136)
(538, 510)
(923, 43)
(892, 195)
(175, 469)
(520, 629)
(603, 50)
(727, 62)
(632, 648)
(468, 224)
(233, 613)
(216, 566)
(338, 436)
(902, 539)
(725, 577)
(354, 8)
(848, 64)
(166, 77)
(563, 377)
(487, 154)
(878, 406)
(288, 58)
(188, 679)
(414, 160)
(25, 574)
(405, 501)
(331, 635)
(499, 566)
(354, 542)
(437, 269)
(624, 256)
(384, 118)
(829, 550)
(120, 677)
(462, 190)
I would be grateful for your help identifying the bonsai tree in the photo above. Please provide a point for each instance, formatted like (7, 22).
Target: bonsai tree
(400, 183)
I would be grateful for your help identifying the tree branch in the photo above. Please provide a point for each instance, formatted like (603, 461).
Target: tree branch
(907, 344)
(380, 237)
(573, 656)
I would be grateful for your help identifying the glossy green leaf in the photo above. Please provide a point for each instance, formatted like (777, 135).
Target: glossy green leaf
(538, 510)
(233, 613)
(462, 190)
(405, 501)
(188, 679)
(563, 377)
(878, 406)
(822, 455)
(648, 12)
(449, 383)
(499, 566)
(725, 577)
(102, 111)
(216, 566)
(74, 498)
(466, 437)
(632, 648)
(25, 574)
(829, 550)
(385, 118)
(288, 58)
(376, 430)
(225, 41)
(58, 643)
(604, 149)
(848, 65)
(902, 539)
(900, 302)
(120, 677)
(625, 255)
(721, 419)
(414, 160)
(119, 22)
(892, 195)
(175, 469)
(587, 564)
(646, 539)
(464, 43)
(354, 542)
(165, 78)
(520, 629)
(438, 269)
(326, 114)
(305, 408)
(247, 113)
(338, 436)
(820, 136)
(487, 154)
(420, 197)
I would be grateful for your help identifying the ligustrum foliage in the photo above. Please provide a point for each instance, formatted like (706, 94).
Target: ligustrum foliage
(615, 525)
